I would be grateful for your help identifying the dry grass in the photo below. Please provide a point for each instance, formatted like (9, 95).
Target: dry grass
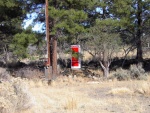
(76, 95)
(79, 97)
(86, 56)
(125, 105)
(143, 88)
(120, 91)
(71, 104)
(15, 96)
(120, 54)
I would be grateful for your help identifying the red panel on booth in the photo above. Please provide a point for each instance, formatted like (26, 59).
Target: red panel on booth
(75, 62)
(75, 49)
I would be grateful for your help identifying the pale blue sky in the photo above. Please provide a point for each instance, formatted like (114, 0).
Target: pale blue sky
(29, 21)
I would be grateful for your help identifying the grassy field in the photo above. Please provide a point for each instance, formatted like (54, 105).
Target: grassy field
(78, 95)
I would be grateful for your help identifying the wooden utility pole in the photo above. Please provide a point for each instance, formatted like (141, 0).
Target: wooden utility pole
(48, 64)
(51, 70)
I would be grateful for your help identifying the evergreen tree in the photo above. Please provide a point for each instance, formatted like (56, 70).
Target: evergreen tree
(12, 14)
(21, 41)
(133, 16)
(69, 17)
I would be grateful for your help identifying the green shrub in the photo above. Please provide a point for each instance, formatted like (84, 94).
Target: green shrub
(121, 74)
(137, 72)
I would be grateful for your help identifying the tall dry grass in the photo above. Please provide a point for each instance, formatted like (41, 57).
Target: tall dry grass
(15, 96)
(71, 104)
(73, 95)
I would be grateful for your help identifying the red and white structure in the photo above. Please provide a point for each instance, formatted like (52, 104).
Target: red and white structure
(75, 62)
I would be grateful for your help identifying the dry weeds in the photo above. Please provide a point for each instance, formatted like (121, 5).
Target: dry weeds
(143, 88)
(90, 97)
(77, 95)
(71, 104)
(15, 96)
(120, 91)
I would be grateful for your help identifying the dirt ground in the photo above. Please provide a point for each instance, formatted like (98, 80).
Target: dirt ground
(77, 95)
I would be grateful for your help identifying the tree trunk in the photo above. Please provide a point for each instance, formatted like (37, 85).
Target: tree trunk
(105, 62)
(54, 58)
(106, 72)
(54, 46)
(106, 69)
(139, 32)
(139, 56)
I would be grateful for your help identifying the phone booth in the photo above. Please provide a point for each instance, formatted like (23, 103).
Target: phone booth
(75, 59)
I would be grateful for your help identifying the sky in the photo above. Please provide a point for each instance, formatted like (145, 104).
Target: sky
(29, 21)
